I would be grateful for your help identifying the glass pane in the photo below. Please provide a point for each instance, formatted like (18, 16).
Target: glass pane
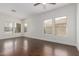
(48, 26)
(60, 26)
(8, 27)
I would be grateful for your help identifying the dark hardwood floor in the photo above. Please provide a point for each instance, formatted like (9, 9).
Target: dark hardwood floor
(32, 47)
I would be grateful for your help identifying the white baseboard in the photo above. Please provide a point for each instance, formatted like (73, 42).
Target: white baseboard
(50, 40)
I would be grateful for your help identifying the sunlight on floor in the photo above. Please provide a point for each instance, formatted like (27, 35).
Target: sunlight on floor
(60, 52)
(48, 50)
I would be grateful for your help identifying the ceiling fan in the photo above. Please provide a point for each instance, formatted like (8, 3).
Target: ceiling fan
(36, 4)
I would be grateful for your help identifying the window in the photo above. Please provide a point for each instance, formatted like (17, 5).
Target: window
(60, 26)
(57, 26)
(8, 27)
(48, 26)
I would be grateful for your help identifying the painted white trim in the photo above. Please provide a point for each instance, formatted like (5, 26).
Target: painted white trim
(46, 39)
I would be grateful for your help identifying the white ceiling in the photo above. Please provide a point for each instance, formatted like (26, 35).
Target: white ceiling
(25, 9)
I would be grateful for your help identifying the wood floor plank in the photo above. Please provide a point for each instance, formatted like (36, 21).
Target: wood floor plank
(22, 46)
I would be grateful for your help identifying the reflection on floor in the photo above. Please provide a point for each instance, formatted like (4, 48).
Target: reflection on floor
(31, 47)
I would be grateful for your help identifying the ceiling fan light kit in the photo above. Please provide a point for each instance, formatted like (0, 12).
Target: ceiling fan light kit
(43, 4)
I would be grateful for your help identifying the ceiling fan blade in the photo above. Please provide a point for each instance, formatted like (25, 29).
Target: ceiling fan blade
(52, 3)
(36, 4)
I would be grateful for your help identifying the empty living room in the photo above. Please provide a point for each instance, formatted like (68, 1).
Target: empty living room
(39, 29)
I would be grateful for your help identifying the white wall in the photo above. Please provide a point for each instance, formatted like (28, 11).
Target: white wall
(4, 19)
(77, 26)
(35, 25)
